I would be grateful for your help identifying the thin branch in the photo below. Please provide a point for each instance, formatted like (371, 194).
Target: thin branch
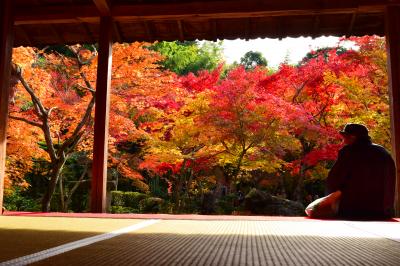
(76, 185)
(298, 90)
(78, 57)
(88, 85)
(50, 110)
(226, 147)
(76, 135)
(33, 123)
(38, 104)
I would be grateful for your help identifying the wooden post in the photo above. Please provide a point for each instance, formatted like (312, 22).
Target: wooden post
(392, 20)
(100, 149)
(6, 35)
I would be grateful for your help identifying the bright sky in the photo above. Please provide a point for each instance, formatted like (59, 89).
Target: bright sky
(275, 50)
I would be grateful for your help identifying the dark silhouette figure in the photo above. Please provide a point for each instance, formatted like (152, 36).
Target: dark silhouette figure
(365, 174)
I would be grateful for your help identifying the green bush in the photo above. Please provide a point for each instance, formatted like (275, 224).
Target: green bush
(151, 205)
(117, 198)
(132, 199)
(225, 205)
(121, 209)
(15, 201)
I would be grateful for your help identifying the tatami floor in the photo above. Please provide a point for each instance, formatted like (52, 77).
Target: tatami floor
(191, 240)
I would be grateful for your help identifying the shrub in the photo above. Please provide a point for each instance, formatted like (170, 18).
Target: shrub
(151, 205)
(117, 198)
(132, 199)
(121, 209)
(225, 205)
(15, 201)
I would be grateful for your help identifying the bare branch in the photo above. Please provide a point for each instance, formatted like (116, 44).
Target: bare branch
(78, 182)
(38, 104)
(76, 135)
(33, 123)
(88, 85)
(50, 110)
(78, 57)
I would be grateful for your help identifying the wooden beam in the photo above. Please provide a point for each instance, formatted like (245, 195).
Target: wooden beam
(117, 31)
(393, 52)
(247, 29)
(317, 22)
(103, 6)
(57, 34)
(352, 22)
(56, 14)
(6, 44)
(180, 30)
(149, 31)
(88, 32)
(26, 35)
(100, 146)
(214, 30)
(190, 10)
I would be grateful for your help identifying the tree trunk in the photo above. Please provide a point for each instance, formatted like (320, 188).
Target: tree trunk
(298, 191)
(237, 171)
(55, 174)
(68, 199)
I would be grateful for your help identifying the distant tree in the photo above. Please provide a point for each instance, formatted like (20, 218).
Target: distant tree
(185, 57)
(252, 59)
(324, 52)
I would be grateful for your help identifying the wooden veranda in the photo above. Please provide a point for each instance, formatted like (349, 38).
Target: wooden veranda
(44, 22)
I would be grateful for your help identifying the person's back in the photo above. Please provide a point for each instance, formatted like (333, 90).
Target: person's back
(365, 174)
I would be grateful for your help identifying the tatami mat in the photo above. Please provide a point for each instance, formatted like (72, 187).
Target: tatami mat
(20, 236)
(194, 242)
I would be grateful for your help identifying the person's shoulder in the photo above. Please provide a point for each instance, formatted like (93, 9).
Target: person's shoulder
(380, 149)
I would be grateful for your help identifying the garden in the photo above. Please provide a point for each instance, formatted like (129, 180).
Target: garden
(188, 132)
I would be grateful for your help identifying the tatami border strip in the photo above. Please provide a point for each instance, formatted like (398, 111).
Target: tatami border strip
(76, 244)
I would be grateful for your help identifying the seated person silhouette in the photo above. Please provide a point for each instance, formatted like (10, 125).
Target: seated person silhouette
(361, 184)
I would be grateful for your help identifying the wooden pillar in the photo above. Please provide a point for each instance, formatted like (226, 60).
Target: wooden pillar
(6, 35)
(392, 20)
(100, 149)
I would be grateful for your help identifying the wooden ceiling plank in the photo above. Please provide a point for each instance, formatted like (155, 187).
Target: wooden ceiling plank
(56, 14)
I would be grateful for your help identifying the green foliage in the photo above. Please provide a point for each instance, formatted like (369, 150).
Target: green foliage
(133, 202)
(64, 50)
(225, 205)
(140, 185)
(18, 201)
(151, 205)
(117, 198)
(121, 209)
(132, 199)
(185, 57)
(322, 51)
(158, 186)
(252, 59)
(28, 105)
